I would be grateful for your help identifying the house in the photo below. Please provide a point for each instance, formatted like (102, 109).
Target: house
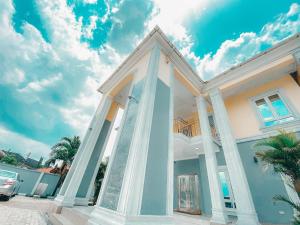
(185, 148)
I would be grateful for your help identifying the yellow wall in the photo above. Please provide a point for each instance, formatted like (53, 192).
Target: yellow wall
(242, 115)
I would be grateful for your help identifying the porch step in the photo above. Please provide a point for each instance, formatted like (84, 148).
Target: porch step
(185, 219)
(75, 216)
(58, 219)
(70, 216)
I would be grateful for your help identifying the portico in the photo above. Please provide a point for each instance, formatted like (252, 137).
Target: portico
(170, 115)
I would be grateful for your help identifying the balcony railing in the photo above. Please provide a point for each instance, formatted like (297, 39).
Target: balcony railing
(192, 128)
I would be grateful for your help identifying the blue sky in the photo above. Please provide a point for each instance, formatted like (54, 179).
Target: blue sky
(54, 54)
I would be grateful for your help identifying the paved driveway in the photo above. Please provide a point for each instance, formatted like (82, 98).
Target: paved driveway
(23, 211)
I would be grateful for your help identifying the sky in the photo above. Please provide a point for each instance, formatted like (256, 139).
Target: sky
(54, 54)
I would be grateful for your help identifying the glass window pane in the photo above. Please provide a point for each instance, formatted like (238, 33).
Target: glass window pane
(264, 110)
(279, 106)
(224, 185)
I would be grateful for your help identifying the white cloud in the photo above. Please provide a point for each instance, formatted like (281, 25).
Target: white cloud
(23, 145)
(233, 52)
(41, 84)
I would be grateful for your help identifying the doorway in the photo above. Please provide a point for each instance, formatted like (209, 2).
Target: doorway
(188, 194)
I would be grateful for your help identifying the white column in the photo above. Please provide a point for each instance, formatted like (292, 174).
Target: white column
(130, 201)
(218, 214)
(76, 158)
(170, 181)
(68, 199)
(245, 208)
(88, 195)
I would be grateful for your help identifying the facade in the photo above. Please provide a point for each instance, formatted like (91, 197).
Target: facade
(185, 145)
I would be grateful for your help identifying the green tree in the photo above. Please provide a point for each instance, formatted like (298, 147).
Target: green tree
(9, 159)
(65, 150)
(283, 153)
(99, 179)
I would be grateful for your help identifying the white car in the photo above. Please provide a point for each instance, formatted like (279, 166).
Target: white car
(9, 184)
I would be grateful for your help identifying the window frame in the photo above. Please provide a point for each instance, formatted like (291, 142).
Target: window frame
(286, 102)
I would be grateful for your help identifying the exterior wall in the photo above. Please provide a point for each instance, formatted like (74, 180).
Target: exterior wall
(155, 187)
(264, 185)
(30, 178)
(240, 106)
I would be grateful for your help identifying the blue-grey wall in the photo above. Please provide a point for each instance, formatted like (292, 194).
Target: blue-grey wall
(30, 178)
(88, 175)
(264, 185)
(155, 185)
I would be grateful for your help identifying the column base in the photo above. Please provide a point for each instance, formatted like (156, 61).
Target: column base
(249, 219)
(102, 216)
(218, 218)
(81, 201)
(64, 201)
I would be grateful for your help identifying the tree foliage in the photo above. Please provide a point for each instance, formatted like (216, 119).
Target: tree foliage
(283, 153)
(9, 159)
(65, 150)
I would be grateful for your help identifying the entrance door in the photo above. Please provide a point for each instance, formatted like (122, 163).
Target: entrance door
(188, 197)
(226, 189)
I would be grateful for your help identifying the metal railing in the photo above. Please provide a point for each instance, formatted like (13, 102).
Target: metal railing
(192, 128)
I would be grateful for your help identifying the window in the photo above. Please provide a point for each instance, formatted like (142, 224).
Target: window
(273, 110)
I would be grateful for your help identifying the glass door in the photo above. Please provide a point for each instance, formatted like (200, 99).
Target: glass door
(188, 197)
(226, 189)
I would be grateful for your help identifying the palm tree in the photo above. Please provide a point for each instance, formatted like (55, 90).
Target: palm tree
(65, 150)
(99, 179)
(283, 153)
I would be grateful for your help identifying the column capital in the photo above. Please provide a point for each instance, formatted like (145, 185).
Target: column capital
(215, 92)
(296, 56)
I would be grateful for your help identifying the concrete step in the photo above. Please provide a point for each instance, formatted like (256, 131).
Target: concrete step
(75, 216)
(58, 219)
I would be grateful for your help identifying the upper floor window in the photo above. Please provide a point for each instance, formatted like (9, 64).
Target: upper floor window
(273, 110)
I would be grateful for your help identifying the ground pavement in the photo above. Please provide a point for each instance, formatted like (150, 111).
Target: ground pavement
(24, 211)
